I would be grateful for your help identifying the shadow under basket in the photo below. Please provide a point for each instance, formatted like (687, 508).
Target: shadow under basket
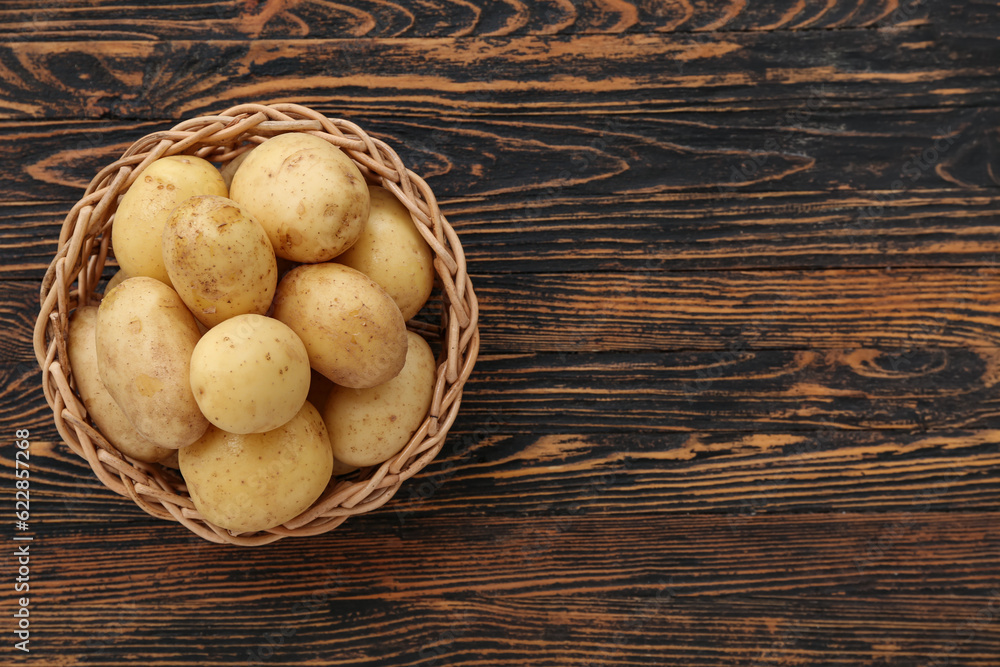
(449, 322)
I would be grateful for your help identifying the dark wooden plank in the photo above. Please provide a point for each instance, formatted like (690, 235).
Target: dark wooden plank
(736, 312)
(28, 237)
(739, 390)
(770, 391)
(688, 440)
(628, 553)
(319, 627)
(661, 392)
(492, 467)
(889, 155)
(729, 312)
(647, 234)
(733, 230)
(797, 74)
(486, 470)
(312, 19)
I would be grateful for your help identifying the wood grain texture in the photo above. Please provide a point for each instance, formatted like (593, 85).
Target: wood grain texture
(806, 72)
(312, 19)
(633, 553)
(722, 391)
(740, 390)
(895, 310)
(641, 236)
(737, 399)
(574, 157)
(899, 311)
(492, 467)
(581, 630)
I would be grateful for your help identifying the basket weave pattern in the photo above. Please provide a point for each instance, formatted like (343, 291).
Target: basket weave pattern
(73, 276)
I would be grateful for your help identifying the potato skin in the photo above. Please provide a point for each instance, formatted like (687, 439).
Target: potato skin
(219, 259)
(250, 374)
(353, 330)
(391, 252)
(229, 169)
(109, 418)
(319, 388)
(137, 233)
(250, 482)
(145, 336)
(115, 280)
(309, 196)
(369, 426)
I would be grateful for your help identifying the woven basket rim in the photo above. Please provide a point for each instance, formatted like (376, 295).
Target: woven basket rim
(75, 272)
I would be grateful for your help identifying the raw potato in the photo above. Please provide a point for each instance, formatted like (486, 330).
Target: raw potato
(137, 233)
(341, 468)
(171, 461)
(353, 330)
(109, 418)
(250, 482)
(250, 374)
(369, 426)
(229, 169)
(115, 280)
(391, 252)
(145, 337)
(319, 388)
(219, 259)
(309, 196)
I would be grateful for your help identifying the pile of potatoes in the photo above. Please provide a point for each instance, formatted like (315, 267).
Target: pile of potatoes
(257, 328)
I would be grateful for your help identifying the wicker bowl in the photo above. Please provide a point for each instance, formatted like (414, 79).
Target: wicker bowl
(73, 276)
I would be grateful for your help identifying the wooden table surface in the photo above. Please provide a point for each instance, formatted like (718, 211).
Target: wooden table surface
(737, 401)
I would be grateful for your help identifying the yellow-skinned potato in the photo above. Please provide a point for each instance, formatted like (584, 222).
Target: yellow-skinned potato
(115, 280)
(145, 337)
(369, 426)
(309, 196)
(229, 169)
(255, 481)
(137, 234)
(250, 374)
(391, 252)
(109, 418)
(171, 460)
(352, 329)
(341, 468)
(219, 259)
(319, 388)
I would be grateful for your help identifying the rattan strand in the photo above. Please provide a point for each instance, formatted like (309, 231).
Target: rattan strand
(82, 252)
